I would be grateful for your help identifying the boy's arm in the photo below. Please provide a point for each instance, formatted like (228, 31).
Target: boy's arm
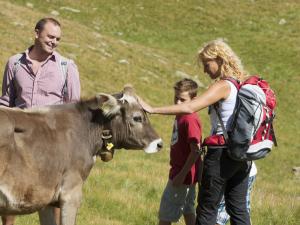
(192, 158)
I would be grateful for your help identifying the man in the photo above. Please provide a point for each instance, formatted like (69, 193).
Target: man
(40, 76)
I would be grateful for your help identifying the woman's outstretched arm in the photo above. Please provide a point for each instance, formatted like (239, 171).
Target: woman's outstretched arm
(216, 92)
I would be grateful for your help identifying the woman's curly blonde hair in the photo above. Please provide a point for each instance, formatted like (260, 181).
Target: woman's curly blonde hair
(231, 64)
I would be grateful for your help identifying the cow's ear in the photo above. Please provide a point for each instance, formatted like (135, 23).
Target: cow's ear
(107, 103)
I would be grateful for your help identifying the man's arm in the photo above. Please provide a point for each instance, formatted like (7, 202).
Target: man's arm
(8, 91)
(73, 82)
(192, 158)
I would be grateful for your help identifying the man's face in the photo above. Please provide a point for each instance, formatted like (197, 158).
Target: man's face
(181, 97)
(48, 38)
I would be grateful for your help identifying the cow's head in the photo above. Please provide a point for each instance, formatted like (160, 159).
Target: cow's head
(127, 121)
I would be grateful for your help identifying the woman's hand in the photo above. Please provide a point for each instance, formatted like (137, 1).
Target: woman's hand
(144, 105)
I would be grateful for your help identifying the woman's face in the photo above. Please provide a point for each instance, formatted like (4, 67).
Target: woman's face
(212, 67)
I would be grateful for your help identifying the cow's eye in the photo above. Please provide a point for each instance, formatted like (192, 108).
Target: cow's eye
(137, 119)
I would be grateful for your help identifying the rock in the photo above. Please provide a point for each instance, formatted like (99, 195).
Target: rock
(97, 35)
(162, 61)
(54, 13)
(18, 24)
(151, 73)
(91, 47)
(29, 5)
(144, 79)
(70, 9)
(123, 42)
(296, 171)
(123, 61)
(282, 21)
(105, 53)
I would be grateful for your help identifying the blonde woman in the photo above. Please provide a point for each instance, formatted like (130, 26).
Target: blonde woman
(221, 174)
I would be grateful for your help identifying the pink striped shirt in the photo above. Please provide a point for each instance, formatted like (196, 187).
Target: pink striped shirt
(22, 88)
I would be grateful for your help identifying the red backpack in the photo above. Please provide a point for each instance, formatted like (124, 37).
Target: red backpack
(250, 135)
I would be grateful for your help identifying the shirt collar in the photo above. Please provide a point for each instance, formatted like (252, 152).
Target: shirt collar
(53, 56)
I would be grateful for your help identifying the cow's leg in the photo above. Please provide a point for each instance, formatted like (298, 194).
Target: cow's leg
(70, 204)
(57, 215)
(46, 216)
(8, 220)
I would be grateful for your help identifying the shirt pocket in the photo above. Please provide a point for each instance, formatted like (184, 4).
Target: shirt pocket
(51, 83)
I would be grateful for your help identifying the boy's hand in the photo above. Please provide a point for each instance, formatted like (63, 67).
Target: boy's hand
(178, 180)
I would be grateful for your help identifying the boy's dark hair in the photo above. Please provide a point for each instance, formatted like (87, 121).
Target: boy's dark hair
(41, 23)
(187, 85)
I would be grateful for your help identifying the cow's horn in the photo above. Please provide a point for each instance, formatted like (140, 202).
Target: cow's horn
(128, 94)
(128, 90)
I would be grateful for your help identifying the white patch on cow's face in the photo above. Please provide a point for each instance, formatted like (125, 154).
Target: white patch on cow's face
(6, 198)
(154, 146)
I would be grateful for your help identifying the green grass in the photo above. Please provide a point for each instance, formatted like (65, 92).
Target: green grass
(158, 38)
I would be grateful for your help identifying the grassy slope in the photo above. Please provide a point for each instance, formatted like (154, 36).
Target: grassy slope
(157, 39)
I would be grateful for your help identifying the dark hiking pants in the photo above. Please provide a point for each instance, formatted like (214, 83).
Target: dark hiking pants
(222, 175)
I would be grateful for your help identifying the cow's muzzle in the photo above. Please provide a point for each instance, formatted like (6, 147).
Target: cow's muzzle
(154, 146)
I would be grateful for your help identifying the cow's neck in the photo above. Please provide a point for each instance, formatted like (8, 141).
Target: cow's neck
(102, 137)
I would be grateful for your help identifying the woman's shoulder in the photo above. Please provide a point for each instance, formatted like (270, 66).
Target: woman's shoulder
(221, 89)
(221, 83)
(220, 86)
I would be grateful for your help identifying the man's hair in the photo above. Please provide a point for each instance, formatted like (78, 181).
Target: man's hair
(41, 23)
(187, 85)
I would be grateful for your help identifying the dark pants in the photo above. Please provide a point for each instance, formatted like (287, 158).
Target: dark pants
(222, 175)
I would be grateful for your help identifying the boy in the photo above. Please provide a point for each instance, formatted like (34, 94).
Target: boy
(179, 194)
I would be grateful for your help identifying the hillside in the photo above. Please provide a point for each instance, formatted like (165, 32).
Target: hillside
(152, 44)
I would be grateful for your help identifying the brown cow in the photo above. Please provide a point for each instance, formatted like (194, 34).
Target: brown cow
(47, 153)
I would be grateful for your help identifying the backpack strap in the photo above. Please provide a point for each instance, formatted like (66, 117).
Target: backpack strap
(64, 70)
(225, 134)
(236, 82)
(17, 64)
(271, 130)
(273, 135)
